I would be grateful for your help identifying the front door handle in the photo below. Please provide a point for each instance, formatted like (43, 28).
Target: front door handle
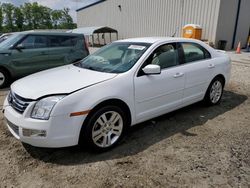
(178, 74)
(210, 66)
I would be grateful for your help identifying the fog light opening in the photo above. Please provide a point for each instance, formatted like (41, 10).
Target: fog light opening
(34, 133)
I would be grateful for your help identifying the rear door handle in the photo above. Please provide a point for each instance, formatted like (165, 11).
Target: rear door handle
(210, 66)
(178, 74)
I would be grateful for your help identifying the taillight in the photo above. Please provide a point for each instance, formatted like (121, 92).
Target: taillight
(86, 45)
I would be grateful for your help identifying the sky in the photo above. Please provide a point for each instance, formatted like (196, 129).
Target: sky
(56, 4)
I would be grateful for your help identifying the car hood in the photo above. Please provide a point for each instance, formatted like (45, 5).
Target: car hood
(61, 80)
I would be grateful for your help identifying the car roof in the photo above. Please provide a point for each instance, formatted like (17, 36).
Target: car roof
(49, 33)
(152, 40)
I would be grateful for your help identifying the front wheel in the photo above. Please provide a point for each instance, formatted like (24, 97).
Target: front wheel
(104, 128)
(214, 92)
(4, 78)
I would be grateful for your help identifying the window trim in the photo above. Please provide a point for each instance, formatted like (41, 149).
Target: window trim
(204, 50)
(28, 35)
(50, 36)
(145, 63)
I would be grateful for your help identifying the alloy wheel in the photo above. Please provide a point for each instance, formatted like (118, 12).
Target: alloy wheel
(107, 129)
(2, 78)
(215, 92)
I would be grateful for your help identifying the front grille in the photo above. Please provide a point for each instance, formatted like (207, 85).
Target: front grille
(17, 102)
(13, 127)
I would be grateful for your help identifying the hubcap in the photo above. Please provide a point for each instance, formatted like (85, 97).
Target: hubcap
(215, 92)
(2, 78)
(107, 129)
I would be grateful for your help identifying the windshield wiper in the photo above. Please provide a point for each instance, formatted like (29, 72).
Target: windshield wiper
(88, 67)
(79, 64)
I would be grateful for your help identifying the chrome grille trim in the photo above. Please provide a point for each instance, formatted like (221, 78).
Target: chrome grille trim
(18, 103)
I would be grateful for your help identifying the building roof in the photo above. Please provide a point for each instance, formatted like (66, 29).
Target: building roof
(90, 4)
(87, 31)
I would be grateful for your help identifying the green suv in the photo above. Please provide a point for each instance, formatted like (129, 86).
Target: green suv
(25, 53)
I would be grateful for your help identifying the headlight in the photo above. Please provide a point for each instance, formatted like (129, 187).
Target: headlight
(43, 108)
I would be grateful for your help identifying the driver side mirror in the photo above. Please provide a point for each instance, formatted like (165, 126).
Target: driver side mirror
(19, 47)
(152, 69)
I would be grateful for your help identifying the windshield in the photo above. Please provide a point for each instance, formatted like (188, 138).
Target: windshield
(114, 58)
(10, 41)
(4, 37)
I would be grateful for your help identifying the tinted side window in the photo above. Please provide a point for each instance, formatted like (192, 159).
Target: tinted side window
(63, 41)
(194, 52)
(68, 41)
(54, 41)
(165, 56)
(34, 41)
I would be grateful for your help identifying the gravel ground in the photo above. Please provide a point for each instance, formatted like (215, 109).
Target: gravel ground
(192, 147)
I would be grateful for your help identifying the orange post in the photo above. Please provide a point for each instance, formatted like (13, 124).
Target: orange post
(238, 48)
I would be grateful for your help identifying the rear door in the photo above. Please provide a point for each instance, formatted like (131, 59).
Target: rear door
(32, 56)
(199, 69)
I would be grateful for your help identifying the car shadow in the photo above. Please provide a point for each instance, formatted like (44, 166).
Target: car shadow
(144, 135)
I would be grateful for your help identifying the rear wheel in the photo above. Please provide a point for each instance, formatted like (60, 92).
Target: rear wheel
(104, 129)
(4, 78)
(214, 91)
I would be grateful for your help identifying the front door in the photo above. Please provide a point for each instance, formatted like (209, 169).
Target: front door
(31, 57)
(161, 93)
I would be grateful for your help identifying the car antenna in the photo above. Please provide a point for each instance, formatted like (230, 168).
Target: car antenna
(174, 32)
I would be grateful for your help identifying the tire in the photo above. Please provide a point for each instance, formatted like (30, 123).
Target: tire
(4, 78)
(100, 133)
(214, 92)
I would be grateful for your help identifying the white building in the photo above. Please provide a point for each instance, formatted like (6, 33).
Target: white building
(220, 19)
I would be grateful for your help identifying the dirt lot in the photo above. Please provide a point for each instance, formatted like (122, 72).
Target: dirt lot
(192, 147)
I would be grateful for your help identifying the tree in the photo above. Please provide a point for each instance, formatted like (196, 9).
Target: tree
(46, 19)
(31, 16)
(36, 15)
(18, 18)
(27, 10)
(56, 16)
(67, 21)
(8, 9)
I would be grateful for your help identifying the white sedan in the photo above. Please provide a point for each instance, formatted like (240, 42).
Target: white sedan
(122, 84)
